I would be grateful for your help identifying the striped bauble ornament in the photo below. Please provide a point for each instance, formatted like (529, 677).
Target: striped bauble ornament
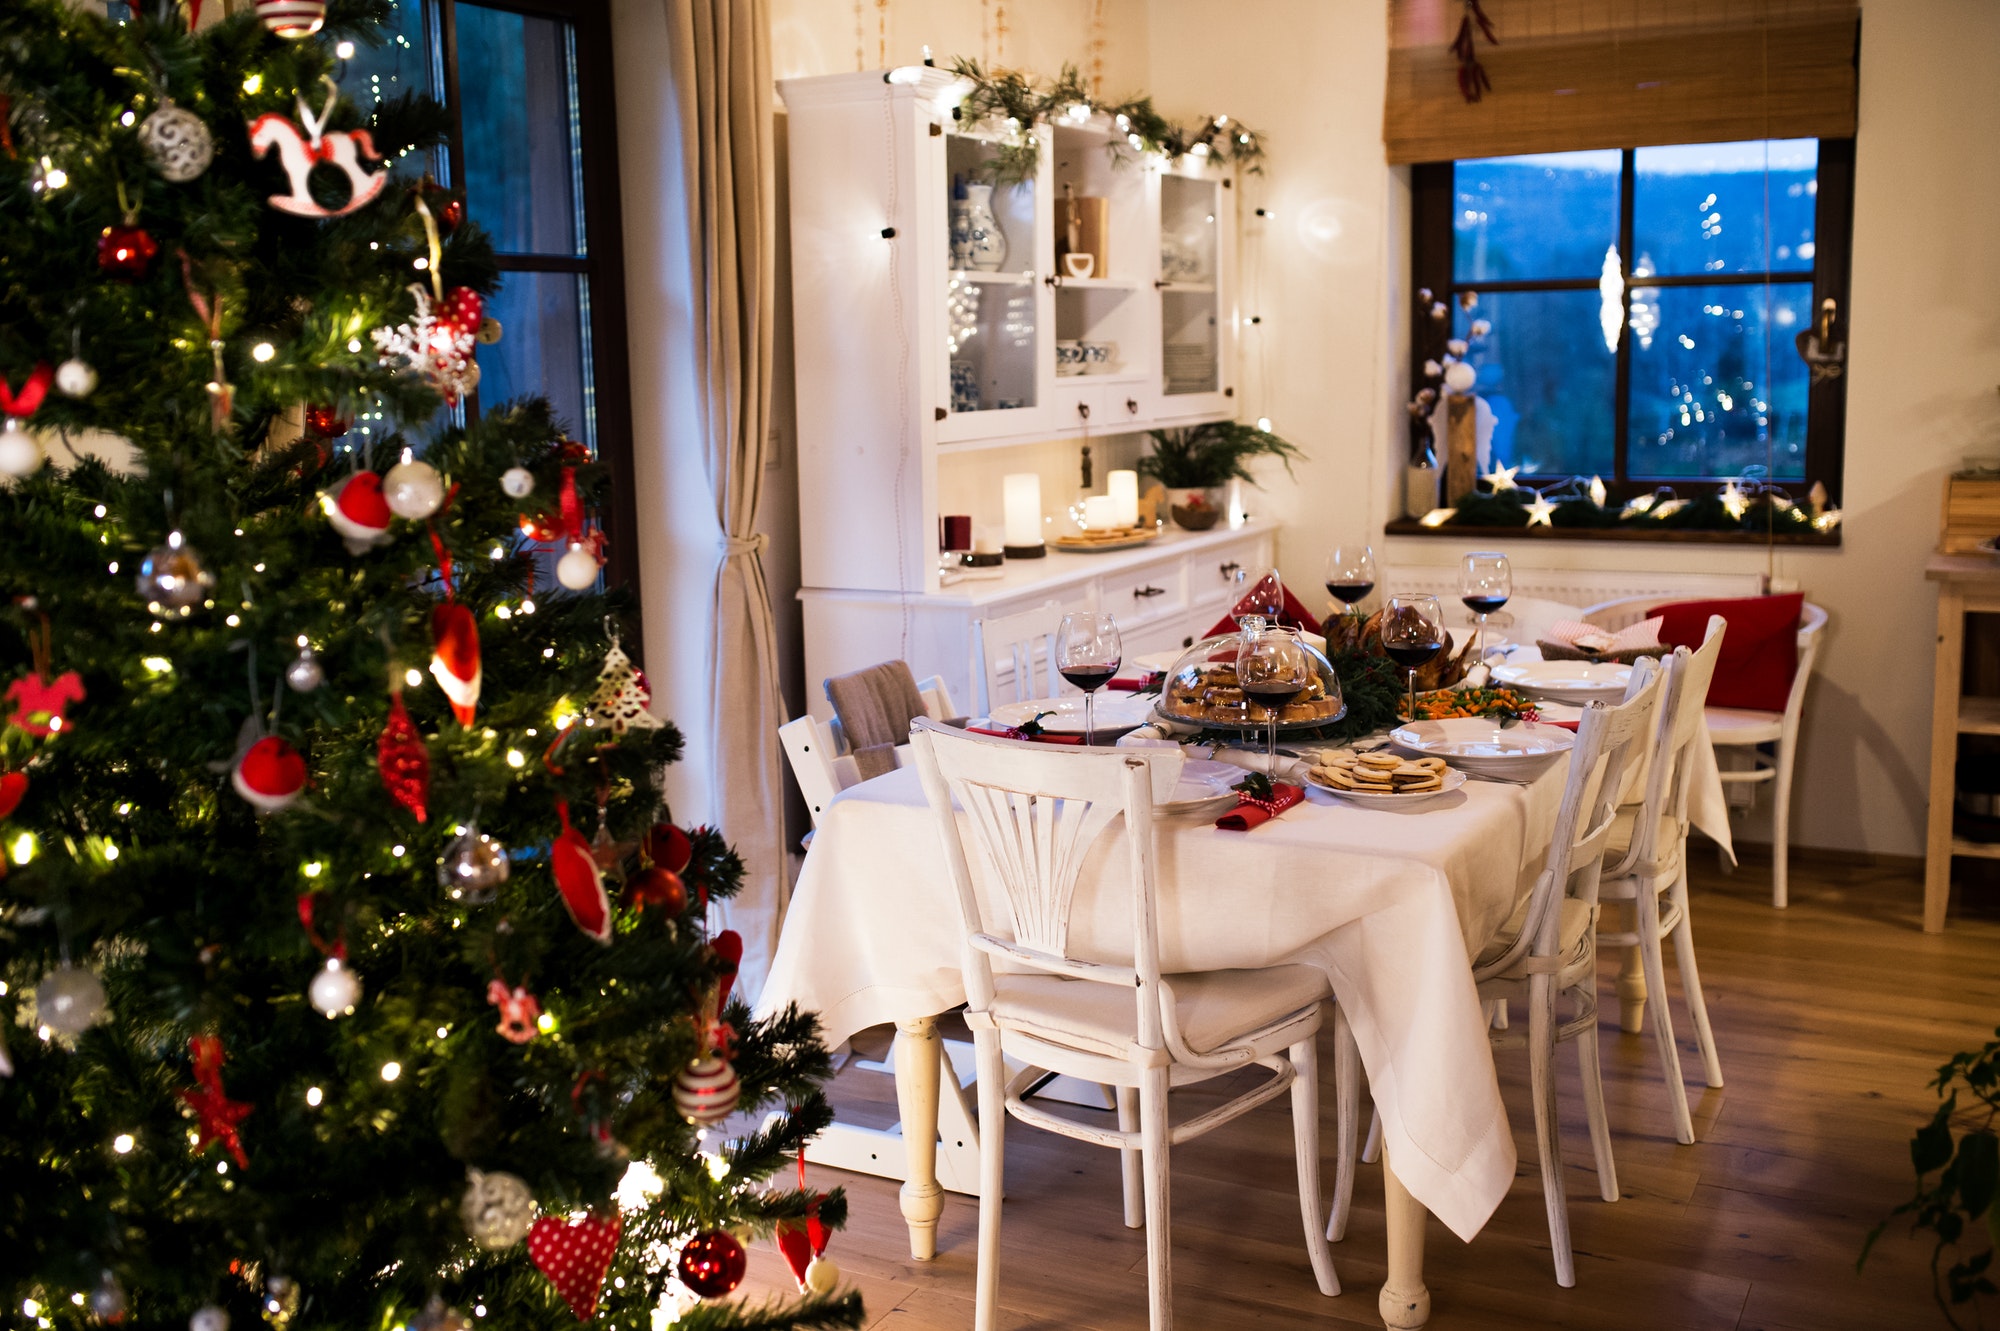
(292, 19)
(706, 1090)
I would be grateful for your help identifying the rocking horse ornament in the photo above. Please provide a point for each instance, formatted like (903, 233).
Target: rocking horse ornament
(306, 143)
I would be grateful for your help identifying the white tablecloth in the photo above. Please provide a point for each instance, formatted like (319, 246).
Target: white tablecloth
(1390, 904)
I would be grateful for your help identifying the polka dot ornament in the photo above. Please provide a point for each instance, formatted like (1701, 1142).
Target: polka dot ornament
(575, 1256)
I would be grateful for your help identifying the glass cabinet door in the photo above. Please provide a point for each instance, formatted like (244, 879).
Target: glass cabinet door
(1191, 264)
(992, 292)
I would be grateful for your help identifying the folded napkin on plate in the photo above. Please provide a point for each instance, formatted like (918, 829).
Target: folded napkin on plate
(1136, 683)
(1015, 732)
(1642, 636)
(1252, 812)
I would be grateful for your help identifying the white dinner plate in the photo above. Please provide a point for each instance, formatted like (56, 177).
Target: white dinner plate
(1117, 711)
(1566, 681)
(1453, 779)
(1484, 747)
(1204, 789)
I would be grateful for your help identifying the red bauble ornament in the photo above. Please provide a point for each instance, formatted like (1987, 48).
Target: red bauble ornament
(39, 703)
(451, 215)
(359, 512)
(216, 1115)
(126, 252)
(576, 1257)
(668, 847)
(270, 775)
(455, 658)
(656, 887)
(707, 1090)
(325, 421)
(579, 881)
(406, 766)
(13, 789)
(712, 1264)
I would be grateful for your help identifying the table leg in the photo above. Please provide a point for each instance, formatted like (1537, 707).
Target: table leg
(917, 1067)
(1404, 1302)
(1944, 756)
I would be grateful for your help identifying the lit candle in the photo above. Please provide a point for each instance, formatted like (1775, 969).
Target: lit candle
(1021, 509)
(1100, 512)
(1124, 494)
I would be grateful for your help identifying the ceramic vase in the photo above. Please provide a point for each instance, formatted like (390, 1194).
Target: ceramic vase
(985, 243)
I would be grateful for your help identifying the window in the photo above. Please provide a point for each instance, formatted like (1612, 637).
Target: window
(1640, 306)
(533, 149)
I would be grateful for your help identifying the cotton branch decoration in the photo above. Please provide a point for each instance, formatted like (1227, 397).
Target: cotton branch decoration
(1472, 81)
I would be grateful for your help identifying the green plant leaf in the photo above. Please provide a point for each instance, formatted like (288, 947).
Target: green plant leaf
(1931, 1148)
(1978, 1171)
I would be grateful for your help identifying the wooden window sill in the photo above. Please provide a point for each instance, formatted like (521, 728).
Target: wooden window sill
(1663, 535)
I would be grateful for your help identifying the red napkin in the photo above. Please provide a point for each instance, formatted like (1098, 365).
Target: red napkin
(1135, 683)
(1010, 732)
(1251, 812)
(1294, 615)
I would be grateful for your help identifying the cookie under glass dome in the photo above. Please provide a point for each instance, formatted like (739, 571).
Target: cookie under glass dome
(1203, 689)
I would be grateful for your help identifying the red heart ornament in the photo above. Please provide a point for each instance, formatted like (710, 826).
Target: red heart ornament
(461, 312)
(455, 658)
(579, 881)
(668, 847)
(727, 945)
(575, 1256)
(800, 1242)
(13, 789)
(271, 774)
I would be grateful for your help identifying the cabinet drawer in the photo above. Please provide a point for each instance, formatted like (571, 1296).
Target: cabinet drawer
(1144, 596)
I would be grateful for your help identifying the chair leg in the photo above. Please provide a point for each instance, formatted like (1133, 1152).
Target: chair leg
(1548, 1132)
(1159, 1207)
(1346, 1116)
(1663, 1014)
(1371, 1149)
(1305, 1139)
(992, 1172)
(1128, 1159)
(1499, 1018)
(1691, 982)
(1781, 826)
(1593, 1105)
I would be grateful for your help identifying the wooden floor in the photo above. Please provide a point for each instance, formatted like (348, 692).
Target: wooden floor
(1830, 1016)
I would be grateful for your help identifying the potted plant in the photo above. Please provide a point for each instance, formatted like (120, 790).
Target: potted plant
(1195, 464)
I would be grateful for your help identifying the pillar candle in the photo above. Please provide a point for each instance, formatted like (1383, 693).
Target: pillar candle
(1021, 507)
(1124, 491)
(1100, 512)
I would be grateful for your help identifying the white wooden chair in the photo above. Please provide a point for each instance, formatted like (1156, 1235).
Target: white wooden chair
(1548, 949)
(1747, 731)
(1033, 812)
(1013, 645)
(1649, 845)
(817, 750)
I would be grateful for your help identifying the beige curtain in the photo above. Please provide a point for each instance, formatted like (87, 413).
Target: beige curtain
(721, 53)
(1573, 74)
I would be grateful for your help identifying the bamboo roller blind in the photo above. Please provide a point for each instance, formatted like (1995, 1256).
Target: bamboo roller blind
(1573, 74)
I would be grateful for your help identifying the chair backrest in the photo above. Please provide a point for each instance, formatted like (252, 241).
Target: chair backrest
(1013, 643)
(1605, 740)
(1678, 728)
(817, 750)
(1032, 813)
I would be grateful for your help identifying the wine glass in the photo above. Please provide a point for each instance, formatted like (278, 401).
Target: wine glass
(1485, 581)
(1088, 653)
(1350, 574)
(1272, 670)
(1412, 633)
(1264, 599)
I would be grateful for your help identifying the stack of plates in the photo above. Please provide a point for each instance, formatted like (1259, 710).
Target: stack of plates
(1578, 683)
(1204, 789)
(1116, 712)
(1485, 747)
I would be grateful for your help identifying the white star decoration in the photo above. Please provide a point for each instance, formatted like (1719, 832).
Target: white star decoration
(1500, 478)
(1733, 501)
(1539, 511)
(1597, 491)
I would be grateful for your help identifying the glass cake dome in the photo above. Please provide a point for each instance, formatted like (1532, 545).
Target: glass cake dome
(1203, 688)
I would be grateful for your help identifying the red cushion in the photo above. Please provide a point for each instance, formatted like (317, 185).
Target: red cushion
(1760, 652)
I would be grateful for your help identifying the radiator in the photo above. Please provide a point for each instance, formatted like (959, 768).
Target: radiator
(1585, 587)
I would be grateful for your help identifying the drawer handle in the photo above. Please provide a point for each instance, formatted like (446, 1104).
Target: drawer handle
(1231, 569)
(1148, 591)
(1132, 405)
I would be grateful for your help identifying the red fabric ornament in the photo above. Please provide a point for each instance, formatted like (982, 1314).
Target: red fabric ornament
(668, 847)
(216, 1114)
(518, 1011)
(359, 512)
(13, 789)
(455, 658)
(579, 881)
(39, 703)
(270, 774)
(576, 1257)
(126, 252)
(326, 421)
(29, 400)
(406, 766)
(712, 1264)
(728, 945)
(656, 887)
(800, 1241)
(451, 215)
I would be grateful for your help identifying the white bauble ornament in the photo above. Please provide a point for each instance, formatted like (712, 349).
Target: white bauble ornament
(518, 482)
(176, 143)
(70, 1001)
(20, 452)
(1459, 377)
(75, 378)
(413, 489)
(577, 570)
(497, 1210)
(304, 673)
(334, 991)
(107, 1301)
(822, 1276)
(209, 1318)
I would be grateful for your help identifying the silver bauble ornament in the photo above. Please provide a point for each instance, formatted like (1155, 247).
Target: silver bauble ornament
(75, 378)
(304, 673)
(497, 1210)
(107, 1301)
(176, 143)
(413, 489)
(20, 452)
(473, 867)
(335, 990)
(577, 570)
(172, 579)
(209, 1318)
(69, 1001)
(518, 482)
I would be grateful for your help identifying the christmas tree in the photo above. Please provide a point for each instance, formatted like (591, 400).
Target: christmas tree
(354, 975)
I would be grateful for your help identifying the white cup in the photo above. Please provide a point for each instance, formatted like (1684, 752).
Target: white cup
(1080, 263)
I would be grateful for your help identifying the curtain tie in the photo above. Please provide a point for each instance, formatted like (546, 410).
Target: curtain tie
(735, 547)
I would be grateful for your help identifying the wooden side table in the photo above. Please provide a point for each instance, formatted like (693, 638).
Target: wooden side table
(1967, 585)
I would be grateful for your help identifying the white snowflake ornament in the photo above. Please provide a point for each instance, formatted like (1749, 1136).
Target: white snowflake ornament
(438, 342)
(623, 697)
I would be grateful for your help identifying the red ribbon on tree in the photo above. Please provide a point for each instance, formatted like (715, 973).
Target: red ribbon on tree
(337, 949)
(216, 1113)
(29, 400)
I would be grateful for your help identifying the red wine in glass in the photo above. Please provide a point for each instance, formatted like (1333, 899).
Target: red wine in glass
(1090, 678)
(1483, 605)
(1347, 593)
(1274, 695)
(1410, 655)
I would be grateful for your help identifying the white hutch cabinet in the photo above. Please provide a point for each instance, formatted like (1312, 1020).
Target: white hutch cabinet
(912, 373)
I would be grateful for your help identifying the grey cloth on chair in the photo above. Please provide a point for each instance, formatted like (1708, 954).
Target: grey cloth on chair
(875, 707)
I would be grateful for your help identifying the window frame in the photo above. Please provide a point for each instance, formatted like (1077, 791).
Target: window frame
(1432, 241)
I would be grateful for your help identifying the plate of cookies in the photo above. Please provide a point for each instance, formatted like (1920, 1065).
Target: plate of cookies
(1383, 778)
